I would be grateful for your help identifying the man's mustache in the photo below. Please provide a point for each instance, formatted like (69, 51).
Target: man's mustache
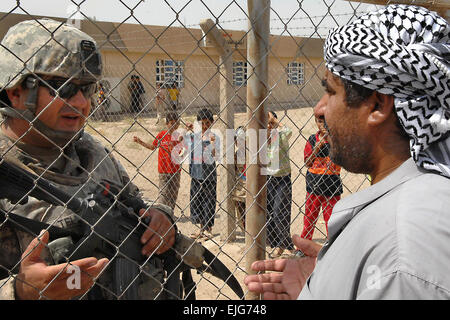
(67, 108)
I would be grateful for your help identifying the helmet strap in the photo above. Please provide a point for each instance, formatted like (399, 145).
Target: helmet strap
(32, 84)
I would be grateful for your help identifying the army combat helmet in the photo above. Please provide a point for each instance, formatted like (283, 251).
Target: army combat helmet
(35, 48)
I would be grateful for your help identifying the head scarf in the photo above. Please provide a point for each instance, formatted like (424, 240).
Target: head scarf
(403, 51)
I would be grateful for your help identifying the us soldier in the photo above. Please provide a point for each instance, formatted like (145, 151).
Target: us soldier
(48, 73)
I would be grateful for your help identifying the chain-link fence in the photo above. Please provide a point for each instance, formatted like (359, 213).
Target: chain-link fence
(171, 122)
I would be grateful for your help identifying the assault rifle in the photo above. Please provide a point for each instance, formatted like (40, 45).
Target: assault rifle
(109, 225)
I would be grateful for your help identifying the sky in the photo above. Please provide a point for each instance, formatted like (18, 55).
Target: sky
(296, 17)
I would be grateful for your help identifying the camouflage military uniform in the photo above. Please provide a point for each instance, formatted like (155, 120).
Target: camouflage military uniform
(85, 164)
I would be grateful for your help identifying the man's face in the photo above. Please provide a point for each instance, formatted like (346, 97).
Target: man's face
(63, 114)
(68, 115)
(350, 146)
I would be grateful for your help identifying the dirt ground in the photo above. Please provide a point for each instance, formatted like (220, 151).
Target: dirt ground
(141, 165)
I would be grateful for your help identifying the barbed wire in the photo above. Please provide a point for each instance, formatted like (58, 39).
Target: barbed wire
(224, 22)
(176, 43)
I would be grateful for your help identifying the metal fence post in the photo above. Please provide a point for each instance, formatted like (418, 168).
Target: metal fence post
(256, 202)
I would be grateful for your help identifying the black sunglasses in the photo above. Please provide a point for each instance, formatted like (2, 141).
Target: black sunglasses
(67, 90)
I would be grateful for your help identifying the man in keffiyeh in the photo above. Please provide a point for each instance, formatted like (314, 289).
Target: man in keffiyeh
(387, 112)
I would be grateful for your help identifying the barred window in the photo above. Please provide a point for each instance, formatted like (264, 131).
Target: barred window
(169, 71)
(239, 73)
(295, 73)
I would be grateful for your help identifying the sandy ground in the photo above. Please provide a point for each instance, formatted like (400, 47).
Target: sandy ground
(141, 165)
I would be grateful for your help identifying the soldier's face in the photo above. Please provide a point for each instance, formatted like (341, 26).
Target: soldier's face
(68, 115)
(62, 114)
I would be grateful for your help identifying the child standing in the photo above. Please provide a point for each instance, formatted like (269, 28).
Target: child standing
(323, 181)
(169, 172)
(202, 169)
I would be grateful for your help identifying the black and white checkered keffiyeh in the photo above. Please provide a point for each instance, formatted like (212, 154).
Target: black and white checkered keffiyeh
(403, 51)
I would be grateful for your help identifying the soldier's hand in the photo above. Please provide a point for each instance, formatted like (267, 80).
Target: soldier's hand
(160, 233)
(290, 274)
(38, 280)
